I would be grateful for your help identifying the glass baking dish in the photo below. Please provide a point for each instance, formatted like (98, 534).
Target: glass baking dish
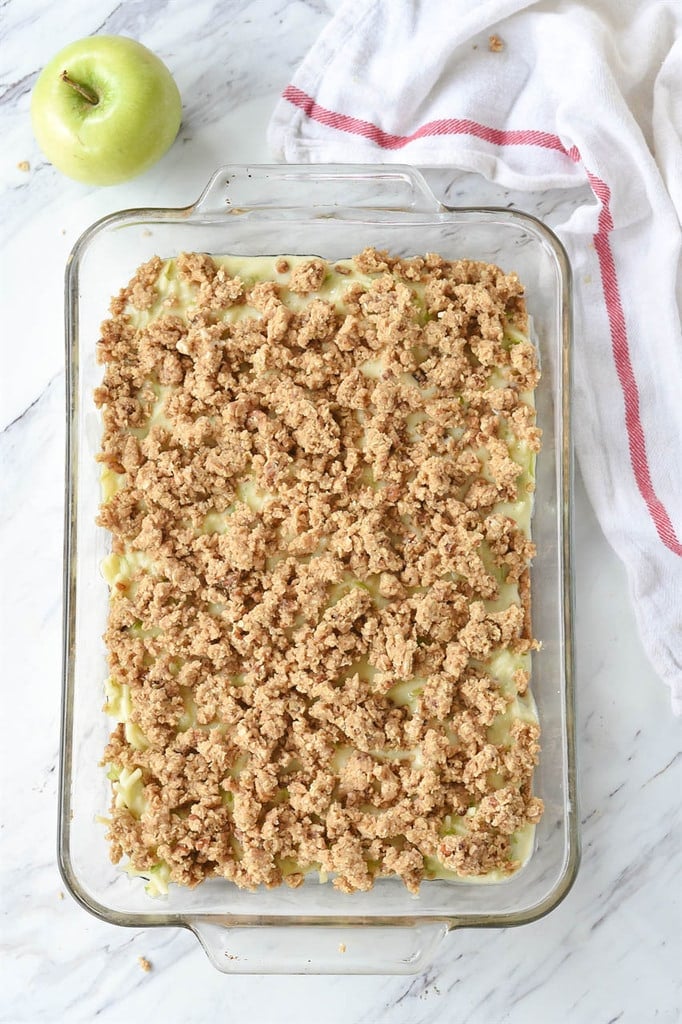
(333, 211)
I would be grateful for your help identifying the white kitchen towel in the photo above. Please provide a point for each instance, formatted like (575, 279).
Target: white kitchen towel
(577, 91)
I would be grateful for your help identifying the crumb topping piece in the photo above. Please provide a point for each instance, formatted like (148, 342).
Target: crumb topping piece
(318, 569)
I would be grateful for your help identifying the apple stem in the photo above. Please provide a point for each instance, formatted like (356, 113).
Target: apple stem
(86, 93)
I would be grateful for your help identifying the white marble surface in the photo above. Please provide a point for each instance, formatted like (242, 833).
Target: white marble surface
(609, 953)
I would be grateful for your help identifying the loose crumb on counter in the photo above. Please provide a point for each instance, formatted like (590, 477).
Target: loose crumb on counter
(23, 165)
(144, 964)
(495, 44)
(312, 511)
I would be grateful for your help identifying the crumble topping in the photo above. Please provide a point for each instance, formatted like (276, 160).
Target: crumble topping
(318, 567)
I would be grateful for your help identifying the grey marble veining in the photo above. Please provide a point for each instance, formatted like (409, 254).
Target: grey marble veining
(610, 952)
(229, 59)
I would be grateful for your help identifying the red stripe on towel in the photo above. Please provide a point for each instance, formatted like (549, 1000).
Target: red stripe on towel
(614, 307)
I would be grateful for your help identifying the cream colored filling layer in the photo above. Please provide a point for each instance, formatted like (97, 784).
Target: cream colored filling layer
(176, 293)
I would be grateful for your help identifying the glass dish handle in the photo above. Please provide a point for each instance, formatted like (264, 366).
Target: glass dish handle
(240, 187)
(333, 949)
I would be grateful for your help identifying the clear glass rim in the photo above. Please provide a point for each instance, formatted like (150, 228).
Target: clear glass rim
(202, 207)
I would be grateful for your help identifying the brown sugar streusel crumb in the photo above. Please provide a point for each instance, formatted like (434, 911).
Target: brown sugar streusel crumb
(144, 964)
(495, 44)
(312, 499)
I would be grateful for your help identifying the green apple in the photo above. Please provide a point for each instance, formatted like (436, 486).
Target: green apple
(105, 109)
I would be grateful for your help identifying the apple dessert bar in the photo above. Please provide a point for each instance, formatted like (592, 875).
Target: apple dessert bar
(318, 480)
